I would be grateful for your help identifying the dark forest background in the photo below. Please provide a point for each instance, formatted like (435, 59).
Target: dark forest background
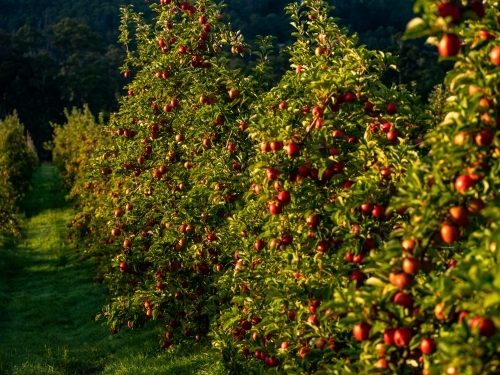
(57, 54)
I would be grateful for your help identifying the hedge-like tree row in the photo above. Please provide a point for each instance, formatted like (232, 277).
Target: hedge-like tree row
(327, 224)
(17, 164)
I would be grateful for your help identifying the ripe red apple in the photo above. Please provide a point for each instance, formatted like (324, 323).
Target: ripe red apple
(283, 105)
(291, 315)
(392, 135)
(449, 45)
(320, 343)
(495, 56)
(265, 147)
(313, 319)
(409, 245)
(349, 97)
(386, 127)
(428, 345)
(463, 183)
(319, 51)
(411, 265)
(403, 299)
(338, 133)
(246, 325)
(276, 145)
(287, 239)
(272, 174)
(379, 212)
(401, 280)
(293, 149)
(323, 246)
(459, 216)
(449, 10)
(486, 326)
(477, 7)
(124, 267)
(382, 363)
(391, 109)
(275, 208)
(303, 352)
(484, 137)
(317, 112)
(475, 206)
(256, 319)
(361, 331)
(389, 336)
(385, 173)
(259, 245)
(284, 197)
(402, 337)
(273, 362)
(312, 221)
(358, 277)
(449, 233)
(366, 209)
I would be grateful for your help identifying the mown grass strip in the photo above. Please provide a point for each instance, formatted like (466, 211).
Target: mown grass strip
(48, 302)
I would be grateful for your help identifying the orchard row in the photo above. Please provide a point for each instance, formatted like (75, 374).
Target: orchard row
(324, 224)
(17, 164)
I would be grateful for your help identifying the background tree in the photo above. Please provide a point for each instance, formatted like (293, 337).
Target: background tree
(17, 164)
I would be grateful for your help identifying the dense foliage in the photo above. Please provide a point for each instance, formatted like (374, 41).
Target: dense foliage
(74, 143)
(326, 224)
(17, 164)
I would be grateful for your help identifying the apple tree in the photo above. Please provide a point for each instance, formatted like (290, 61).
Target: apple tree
(17, 164)
(333, 144)
(163, 190)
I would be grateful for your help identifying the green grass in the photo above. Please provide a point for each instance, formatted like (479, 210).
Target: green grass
(48, 302)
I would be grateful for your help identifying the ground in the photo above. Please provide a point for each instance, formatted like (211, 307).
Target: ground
(48, 301)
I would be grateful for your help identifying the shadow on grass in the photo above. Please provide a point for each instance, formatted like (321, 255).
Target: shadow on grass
(46, 193)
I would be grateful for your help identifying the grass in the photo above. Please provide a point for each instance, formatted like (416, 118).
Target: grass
(48, 302)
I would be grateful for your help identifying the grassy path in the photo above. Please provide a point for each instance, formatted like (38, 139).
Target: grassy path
(48, 302)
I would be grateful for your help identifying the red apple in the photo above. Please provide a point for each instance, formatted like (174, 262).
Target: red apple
(284, 197)
(293, 149)
(402, 337)
(272, 174)
(486, 326)
(495, 56)
(391, 109)
(449, 10)
(463, 183)
(428, 345)
(361, 331)
(449, 45)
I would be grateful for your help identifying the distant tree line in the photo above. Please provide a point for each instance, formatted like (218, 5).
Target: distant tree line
(57, 54)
